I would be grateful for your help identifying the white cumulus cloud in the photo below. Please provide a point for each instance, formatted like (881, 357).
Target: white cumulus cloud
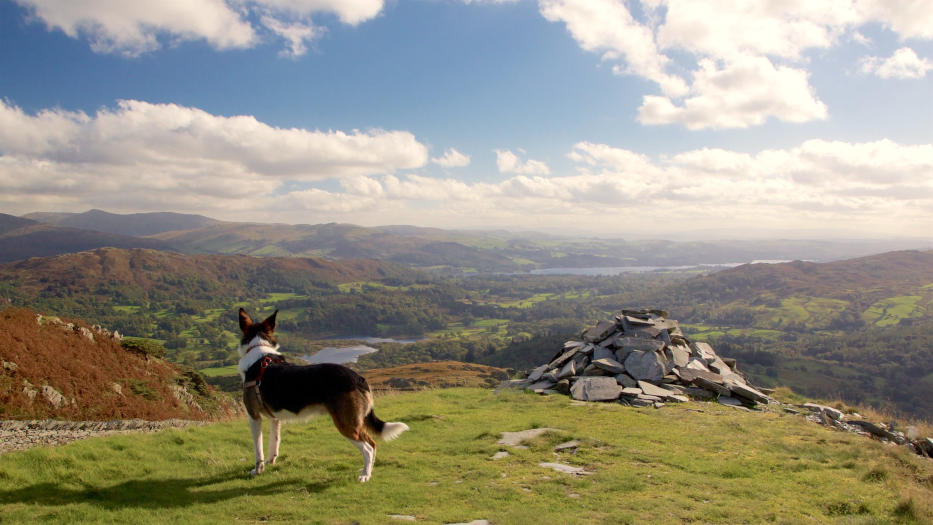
(134, 27)
(904, 63)
(140, 153)
(508, 162)
(733, 63)
(744, 92)
(452, 159)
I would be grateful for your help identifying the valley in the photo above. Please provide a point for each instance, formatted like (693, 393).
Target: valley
(857, 329)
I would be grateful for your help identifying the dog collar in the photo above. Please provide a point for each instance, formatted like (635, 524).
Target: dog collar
(262, 342)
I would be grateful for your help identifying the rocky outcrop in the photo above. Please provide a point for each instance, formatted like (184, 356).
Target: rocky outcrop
(641, 358)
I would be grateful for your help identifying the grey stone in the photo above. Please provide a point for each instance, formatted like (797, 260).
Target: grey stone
(704, 351)
(610, 365)
(681, 355)
(500, 455)
(677, 398)
(690, 375)
(569, 369)
(645, 332)
(595, 389)
(537, 373)
(567, 446)
(637, 320)
(631, 391)
(730, 401)
(514, 439)
(670, 379)
(873, 429)
(586, 349)
(653, 390)
(563, 358)
(626, 380)
(711, 386)
(696, 364)
(747, 392)
(650, 366)
(649, 397)
(550, 375)
(568, 345)
(603, 353)
(599, 332)
(593, 370)
(53, 396)
(563, 386)
(638, 343)
(566, 469)
(719, 366)
(638, 403)
(698, 393)
(540, 385)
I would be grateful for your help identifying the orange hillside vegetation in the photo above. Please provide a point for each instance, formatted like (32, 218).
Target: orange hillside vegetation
(61, 369)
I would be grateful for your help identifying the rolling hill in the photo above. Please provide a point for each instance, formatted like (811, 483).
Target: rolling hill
(860, 329)
(132, 224)
(23, 238)
(446, 250)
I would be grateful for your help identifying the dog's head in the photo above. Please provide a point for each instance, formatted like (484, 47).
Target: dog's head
(251, 330)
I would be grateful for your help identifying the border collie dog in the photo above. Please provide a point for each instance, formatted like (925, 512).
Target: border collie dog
(283, 391)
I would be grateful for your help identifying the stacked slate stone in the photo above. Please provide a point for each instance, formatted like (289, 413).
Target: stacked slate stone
(641, 358)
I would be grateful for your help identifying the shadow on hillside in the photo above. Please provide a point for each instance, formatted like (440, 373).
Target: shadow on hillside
(159, 493)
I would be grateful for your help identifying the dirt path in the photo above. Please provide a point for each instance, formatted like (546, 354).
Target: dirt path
(20, 435)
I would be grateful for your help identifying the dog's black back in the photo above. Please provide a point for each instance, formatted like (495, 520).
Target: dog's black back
(296, 387)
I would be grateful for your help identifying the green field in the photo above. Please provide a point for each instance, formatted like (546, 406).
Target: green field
(891, 311)
(690, 463)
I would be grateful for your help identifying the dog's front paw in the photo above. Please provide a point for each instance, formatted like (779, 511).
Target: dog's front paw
(272, 461)
(363, 478)
(260, 466)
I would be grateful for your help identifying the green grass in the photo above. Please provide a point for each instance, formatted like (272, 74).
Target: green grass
(684, 463)
(890, 311)
(219, 371)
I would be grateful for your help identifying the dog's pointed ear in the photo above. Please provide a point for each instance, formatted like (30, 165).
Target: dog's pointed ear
(269, 323)
(245, 321)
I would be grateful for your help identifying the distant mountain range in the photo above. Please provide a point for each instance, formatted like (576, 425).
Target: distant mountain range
(429, 248)
(24, 238)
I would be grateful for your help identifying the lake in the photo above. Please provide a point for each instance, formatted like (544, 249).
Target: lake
(349, 354)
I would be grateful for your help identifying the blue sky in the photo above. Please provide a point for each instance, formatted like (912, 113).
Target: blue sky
(661, 118)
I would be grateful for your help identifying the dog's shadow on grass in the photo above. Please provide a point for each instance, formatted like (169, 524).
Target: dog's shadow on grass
(164, 493)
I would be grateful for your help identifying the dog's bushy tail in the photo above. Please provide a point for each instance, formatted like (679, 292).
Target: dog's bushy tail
(386, 431)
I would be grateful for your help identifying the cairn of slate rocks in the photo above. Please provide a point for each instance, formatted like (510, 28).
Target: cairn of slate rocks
(641, 358)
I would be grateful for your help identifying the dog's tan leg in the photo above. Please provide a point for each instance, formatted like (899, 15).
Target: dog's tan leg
(348, 414)
(275, 436)
(255, 426)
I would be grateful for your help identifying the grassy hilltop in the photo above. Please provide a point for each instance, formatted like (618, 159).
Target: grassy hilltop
(694, 462)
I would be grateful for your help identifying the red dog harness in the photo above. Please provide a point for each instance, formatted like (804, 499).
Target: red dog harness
(252, 398)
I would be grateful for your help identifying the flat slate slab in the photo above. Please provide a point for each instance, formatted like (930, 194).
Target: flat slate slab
(609, 365)
(649, 366)
(595, 389)
(566, 469)
(514, 439)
